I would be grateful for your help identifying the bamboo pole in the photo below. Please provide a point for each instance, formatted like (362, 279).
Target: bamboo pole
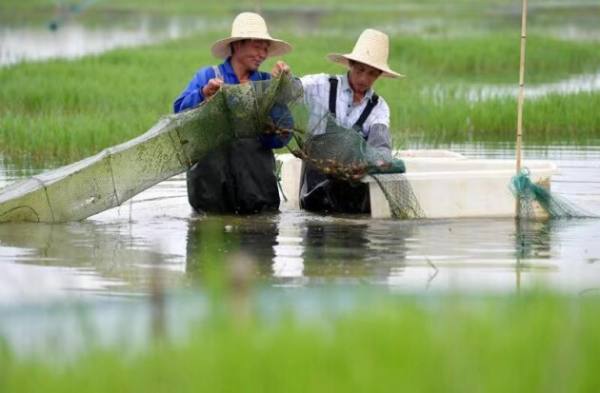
(521, 99)
(521, 85)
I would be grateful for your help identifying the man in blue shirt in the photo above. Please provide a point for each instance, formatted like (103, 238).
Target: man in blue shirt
(238, 178)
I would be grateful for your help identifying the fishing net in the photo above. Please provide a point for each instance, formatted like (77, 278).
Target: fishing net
(399, 194)
(530, 195)
(170, 147)
(342, 153)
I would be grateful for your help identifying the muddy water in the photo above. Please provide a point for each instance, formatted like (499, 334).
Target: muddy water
(114, 253)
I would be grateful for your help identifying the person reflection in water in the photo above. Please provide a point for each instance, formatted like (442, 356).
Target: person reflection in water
(335, 249)
(219, 239)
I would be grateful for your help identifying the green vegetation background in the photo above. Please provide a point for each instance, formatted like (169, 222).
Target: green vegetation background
(61, 110)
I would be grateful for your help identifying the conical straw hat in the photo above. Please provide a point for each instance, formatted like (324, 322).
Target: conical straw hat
(372, 48)
(249, 25)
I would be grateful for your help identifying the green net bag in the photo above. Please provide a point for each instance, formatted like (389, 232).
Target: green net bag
(170, 147)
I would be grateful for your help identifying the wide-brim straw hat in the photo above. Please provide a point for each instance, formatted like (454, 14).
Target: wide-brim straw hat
(372, 48)
(249, 25)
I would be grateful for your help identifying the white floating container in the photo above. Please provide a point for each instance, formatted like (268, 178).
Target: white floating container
(446, 184)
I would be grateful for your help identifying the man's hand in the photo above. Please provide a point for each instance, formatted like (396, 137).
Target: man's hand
(280, 68)
(383, 165)
(212, 87)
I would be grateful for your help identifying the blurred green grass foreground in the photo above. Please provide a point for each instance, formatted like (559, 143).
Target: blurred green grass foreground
(531, 343)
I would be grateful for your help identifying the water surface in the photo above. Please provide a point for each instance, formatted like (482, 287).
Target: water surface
(74, 38)
(113, 253)
(113, 259)
(58, 32)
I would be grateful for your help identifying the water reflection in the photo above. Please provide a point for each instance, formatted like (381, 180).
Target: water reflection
(46, 261)
(112, 252)
(533, 238)
(111, 256)
(217, 239)
(355, 250)
(288, 262)
(334, 249)
(294, 249)
(75, 39)
(456, 255)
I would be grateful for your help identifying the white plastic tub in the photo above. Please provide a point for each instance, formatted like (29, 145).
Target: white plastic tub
(446, 184)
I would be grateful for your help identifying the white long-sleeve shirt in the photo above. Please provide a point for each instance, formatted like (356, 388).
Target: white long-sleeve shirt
(316, 96)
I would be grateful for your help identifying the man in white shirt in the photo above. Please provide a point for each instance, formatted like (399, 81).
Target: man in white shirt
(351, 100)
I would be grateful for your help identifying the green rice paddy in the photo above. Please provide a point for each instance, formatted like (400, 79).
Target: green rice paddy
(532, 343)
(62, 110)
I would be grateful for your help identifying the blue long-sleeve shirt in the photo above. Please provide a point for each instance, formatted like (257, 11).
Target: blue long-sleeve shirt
(192, 96)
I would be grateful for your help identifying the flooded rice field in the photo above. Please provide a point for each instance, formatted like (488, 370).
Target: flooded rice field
(112, 263)
(116, 252)
(61, 284)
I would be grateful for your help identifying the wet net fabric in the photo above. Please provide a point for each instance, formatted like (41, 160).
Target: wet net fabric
(343, 153)
(170, 147)
(401, 198)
(529, 195)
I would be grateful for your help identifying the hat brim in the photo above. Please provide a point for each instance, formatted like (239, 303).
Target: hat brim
(222, 50)
(344, 59)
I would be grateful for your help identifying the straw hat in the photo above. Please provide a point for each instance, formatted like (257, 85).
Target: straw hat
(372, 48)
(249, 25)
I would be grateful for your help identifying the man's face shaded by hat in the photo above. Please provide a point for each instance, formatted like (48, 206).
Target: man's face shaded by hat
(250, 53)
(361, 76)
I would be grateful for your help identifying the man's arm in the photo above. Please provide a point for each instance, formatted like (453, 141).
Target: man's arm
(380, 139)
(315, 89)
(200, 87)
(379, 132)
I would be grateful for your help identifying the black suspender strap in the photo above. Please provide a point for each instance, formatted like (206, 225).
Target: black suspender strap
(333, 82)
(368, 109)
